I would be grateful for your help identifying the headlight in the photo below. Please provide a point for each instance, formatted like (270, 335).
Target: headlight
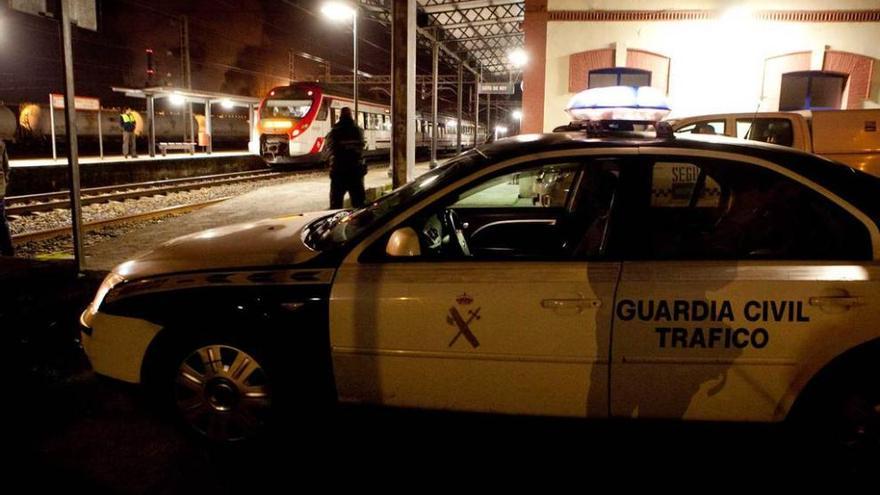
(107, 285)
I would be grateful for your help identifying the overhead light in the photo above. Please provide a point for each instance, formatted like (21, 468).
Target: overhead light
(517, 115)
(177, 99)
(736, 14)
(518, 57)
(338, 11)
(227, 104)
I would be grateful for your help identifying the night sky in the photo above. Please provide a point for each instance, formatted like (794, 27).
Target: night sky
(237, 46)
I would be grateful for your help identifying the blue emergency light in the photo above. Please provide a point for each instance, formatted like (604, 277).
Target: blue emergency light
(622, 103)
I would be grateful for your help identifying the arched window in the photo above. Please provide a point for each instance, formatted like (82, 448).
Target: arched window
(618, 76)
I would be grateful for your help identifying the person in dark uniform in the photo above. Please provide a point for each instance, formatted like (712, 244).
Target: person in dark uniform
(345, 144)
(6, 248)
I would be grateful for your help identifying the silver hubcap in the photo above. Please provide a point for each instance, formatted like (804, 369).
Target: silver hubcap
(222, 392)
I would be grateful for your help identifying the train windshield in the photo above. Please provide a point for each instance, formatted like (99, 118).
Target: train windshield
(287, 103)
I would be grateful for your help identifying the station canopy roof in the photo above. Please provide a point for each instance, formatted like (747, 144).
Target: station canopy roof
(187, 95)
(481, 32)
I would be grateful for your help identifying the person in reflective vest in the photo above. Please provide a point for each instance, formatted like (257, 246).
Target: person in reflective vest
(129, 143)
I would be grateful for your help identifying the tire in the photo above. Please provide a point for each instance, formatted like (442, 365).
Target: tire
(222, 388)
(840, 419)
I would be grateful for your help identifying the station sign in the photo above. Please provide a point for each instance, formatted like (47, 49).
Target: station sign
(503, 88)
(80, 102)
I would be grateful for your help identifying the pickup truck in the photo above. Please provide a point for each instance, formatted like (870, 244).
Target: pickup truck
(847, 136)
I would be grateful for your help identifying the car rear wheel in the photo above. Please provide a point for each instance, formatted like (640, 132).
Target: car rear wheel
(841, 419)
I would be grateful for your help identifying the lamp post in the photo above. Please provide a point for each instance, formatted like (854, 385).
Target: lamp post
(343, 11)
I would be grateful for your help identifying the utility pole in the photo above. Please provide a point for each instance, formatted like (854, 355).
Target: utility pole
(72, 145)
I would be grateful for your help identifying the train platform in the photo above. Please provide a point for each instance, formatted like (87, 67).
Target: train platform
(143, 157)
(308, 193)
(33, 176)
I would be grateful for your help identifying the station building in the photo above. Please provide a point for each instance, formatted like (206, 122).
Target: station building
(708, 56)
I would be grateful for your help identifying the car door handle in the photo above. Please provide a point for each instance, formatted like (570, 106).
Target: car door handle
(845, 301)
(579, 303)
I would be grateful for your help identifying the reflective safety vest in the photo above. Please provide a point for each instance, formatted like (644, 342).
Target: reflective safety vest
(128, 122)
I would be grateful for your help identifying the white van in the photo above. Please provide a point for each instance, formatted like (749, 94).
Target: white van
(847, 136)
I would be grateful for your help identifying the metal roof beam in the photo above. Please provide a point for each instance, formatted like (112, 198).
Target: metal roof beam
(488, 36)
(458, 58)
(489, 22)
(466, 4)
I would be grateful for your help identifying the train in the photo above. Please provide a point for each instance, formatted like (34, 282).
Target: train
(30, 127)
(293, 120)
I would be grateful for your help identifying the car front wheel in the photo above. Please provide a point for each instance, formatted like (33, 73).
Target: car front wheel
(223, 392)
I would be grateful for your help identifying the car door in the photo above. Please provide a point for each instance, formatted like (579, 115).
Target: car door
(738, 274)
(513, 331)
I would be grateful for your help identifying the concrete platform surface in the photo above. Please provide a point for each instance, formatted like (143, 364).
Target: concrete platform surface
(142, 157)
(311, 193)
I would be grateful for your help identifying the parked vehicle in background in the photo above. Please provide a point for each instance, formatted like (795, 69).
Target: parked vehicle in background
(846, 136)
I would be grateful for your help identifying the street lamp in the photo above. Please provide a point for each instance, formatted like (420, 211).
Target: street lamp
(518, 57)
(340, 12)
(517, 115)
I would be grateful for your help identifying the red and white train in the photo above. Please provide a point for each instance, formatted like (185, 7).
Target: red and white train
(293, 120)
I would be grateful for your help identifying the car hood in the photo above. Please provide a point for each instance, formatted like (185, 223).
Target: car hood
(271, 242)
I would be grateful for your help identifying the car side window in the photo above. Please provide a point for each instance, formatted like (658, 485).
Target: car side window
(546, 211)
(704, 127)
(704, 209)
(767, 130)
(542, 187)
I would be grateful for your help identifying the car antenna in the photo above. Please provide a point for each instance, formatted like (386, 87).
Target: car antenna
(754, 118)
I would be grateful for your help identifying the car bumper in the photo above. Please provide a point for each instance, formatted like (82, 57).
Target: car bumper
(116, 345)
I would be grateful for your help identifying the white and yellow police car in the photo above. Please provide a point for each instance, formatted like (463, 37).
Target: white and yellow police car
(580, 274)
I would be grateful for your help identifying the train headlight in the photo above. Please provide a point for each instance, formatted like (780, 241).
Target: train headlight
(277, 124)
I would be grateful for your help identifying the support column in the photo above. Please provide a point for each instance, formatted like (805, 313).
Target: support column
(477, 108)
(535, 37)
(209, 129)
(460, 96)
(254, 138)
(435, 88)
(489, 129)
(151, 125)
(403, 91)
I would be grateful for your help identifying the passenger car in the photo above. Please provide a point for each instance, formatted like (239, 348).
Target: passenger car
(567, 274)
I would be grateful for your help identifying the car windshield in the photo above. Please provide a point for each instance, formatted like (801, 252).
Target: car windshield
(345, 225)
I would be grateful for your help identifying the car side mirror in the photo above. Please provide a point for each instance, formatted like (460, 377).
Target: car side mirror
(404, 242)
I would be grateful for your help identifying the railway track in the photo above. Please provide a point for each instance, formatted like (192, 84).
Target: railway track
(32, 203)
(138, 217)
(24, 207)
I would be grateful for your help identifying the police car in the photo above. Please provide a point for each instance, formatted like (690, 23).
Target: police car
(581, 274)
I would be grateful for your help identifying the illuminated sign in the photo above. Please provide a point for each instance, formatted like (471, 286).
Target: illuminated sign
(496, 88)
(80, 102)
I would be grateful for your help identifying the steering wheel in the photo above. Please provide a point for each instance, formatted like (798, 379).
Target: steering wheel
(454, 224)
(432, 233)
